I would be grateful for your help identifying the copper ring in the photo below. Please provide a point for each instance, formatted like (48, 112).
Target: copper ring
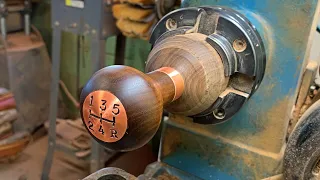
(177, 80)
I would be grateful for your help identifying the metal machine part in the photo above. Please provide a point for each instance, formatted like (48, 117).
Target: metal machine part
(11, 21)
(164, 6)
(3, 14)
(302, 155)
(238, 44)
(15, 16)
(251, 144)
(110, 174)
(155, 171)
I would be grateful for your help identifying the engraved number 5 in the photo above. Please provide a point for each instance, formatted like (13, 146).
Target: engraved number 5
(116, 109)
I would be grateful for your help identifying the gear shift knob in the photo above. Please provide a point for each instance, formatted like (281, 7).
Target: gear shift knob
(122, 107)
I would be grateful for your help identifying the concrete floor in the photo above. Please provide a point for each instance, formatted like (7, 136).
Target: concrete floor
(29, 165)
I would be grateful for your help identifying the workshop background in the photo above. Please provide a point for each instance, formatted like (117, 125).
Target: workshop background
(72, 155)
(76, 69)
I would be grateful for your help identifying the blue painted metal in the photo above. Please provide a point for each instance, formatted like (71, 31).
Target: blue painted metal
(210, 156)
(199, 166)
(249, 146)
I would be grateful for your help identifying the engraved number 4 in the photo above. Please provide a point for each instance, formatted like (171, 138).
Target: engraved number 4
(101, 130)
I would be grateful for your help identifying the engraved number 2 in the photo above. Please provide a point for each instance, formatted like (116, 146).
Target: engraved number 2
(90, 125)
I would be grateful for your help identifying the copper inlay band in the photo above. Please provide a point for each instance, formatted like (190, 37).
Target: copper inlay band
(104, 116)
(177, 80)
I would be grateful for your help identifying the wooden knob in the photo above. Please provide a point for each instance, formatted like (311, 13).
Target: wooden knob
(200, 66)
(122, 107)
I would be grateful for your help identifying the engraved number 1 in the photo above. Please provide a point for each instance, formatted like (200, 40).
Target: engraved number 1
(91, 99)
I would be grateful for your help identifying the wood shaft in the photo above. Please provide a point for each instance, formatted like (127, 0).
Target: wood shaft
(169, 82)
(164, 84)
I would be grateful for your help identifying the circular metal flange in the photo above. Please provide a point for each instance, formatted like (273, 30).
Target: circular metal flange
(237, 42)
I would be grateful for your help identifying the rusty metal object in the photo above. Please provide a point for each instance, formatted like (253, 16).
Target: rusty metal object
(105, 116)
(110, 173)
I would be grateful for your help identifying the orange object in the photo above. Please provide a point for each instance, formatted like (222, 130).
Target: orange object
(126, 11)
(104, 116)
(14, 148)
(177, 80)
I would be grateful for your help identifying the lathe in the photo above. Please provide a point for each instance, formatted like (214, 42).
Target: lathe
(230, 74)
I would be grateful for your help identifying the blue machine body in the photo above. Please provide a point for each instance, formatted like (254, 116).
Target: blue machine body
(251, 144)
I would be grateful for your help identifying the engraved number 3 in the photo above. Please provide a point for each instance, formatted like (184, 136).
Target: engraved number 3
(103, 105)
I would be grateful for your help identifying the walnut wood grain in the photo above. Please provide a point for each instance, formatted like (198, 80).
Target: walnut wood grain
(143, 97)
(199, 64)
(164, 84)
